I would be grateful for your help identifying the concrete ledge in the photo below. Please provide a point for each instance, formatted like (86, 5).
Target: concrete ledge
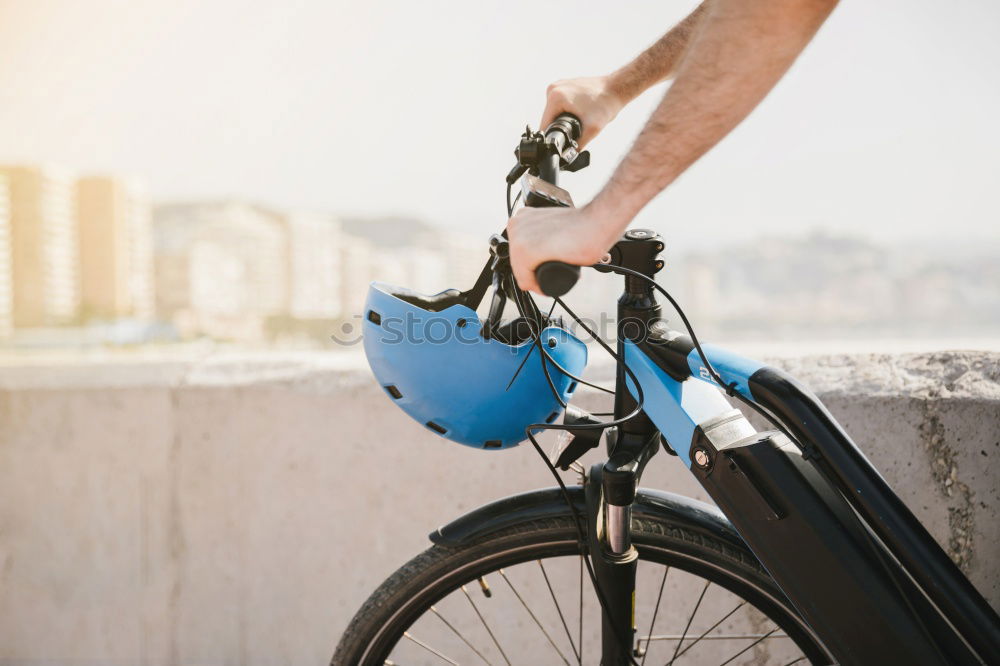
(238, 510)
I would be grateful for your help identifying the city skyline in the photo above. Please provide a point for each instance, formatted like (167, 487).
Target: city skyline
(78, 249)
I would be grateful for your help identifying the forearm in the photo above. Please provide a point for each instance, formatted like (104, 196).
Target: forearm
(657, 63)
(596, 100)
(738, 53)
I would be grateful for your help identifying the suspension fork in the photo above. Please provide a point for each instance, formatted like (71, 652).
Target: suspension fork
(610, 492)
(610, 487)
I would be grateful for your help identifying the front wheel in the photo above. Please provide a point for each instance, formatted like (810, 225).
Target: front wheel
(521, 595)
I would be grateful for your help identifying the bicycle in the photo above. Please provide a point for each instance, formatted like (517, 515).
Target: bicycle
(813, 556)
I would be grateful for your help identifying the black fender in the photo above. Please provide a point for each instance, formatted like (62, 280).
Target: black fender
(549, 503)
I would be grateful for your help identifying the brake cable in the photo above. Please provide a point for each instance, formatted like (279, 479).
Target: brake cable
(640, 399)
(548, 318)
(713, 373)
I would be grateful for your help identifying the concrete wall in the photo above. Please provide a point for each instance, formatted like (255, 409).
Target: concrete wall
(239, 511)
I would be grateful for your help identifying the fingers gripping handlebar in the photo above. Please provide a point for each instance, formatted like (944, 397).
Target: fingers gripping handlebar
(556, 278)
(568, 124)
(562, 134)
(540, 157)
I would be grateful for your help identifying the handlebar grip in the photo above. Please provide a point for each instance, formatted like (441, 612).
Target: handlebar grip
(556, 278)
(568, 124)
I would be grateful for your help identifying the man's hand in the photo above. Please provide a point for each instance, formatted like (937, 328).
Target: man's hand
(571, 235)
(592, 99)
(596, 100)
(740, 51)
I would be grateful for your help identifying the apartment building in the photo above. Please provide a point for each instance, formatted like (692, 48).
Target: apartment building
(221, 268)
(357, 270)
(464, 256)
(406, 251)
(6, 270)
(116, 260)
(44, 250)
(313, 259)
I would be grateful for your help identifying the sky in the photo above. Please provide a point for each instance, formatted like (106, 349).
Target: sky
(884, 128)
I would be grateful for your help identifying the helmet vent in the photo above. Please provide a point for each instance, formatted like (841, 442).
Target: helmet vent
(572, 387)
(552, 417)
(492, 444)
(393, 391)
(436, 428)
(374, 317)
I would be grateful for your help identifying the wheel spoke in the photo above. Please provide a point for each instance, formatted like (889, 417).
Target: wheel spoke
(690, 620)
(459, 634)
(719, 637)
(559, 610)
(486, 626)
(706, 632)
(580, 636)
(656, 610)
(427, 647)
(555, 647)
(452, 636)
(748, 647)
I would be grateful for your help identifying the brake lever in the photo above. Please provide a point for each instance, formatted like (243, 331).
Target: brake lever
(576, 441)
(532, 148)
(500, 265)
(582, 161)
(497, 305)
(505, 289)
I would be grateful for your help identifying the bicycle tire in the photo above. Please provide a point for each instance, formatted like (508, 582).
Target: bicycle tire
(411, 591)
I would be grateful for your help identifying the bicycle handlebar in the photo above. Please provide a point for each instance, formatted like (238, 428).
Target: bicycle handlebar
(560, 134)
(556, 278)
(566, 127)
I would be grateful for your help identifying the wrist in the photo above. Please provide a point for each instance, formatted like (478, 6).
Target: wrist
(607, 99)
(620, 86)
(609, 218)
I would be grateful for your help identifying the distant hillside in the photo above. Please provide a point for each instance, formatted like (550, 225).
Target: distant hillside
(823, 283)
(393, 231)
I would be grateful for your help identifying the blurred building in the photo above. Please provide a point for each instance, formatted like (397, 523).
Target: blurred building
(408, 252)
(44, 252)
(221, 268)
(701, 288)
(314, 260)
(357, 269)
(116, 259)
(465, 256)
(6, 270)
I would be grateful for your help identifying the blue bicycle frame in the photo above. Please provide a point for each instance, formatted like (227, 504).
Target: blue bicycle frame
(851, 557)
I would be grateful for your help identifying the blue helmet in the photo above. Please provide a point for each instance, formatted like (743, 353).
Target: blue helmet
(431, 358)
